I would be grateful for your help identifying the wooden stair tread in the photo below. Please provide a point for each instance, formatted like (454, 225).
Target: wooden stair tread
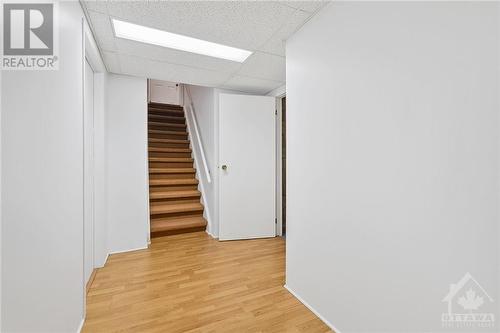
(174, 194)
(169, 150)
(165, 208)
(173, 182)
(179, 112)
(171, 170)
(164, 117)
(175, 205)
(156, 123)
(183, 133)
(156, 117)
(171, 159)
(165, 106)
(160, 140)
(171, 224)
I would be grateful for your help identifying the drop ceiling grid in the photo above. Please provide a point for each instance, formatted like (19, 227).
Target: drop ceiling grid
(258, 26)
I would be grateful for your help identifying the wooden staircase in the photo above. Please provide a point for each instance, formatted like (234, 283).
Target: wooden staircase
(174, 198)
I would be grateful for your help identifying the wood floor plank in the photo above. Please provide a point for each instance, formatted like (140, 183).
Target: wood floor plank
(194, 283)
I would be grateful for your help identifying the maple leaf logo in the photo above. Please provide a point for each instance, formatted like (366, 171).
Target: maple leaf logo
(470, 301)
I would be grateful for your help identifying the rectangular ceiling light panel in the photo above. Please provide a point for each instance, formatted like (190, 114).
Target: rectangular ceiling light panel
(153, 36)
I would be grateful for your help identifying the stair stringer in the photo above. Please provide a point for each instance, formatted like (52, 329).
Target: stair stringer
(190, 129)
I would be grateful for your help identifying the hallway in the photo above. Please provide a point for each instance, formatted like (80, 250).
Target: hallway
(193, 283)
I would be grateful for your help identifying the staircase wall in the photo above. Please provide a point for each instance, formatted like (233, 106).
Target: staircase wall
(127, 166)
(202, 101)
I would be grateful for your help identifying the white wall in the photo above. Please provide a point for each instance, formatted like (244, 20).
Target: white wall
(42, 188)
(100, 170)
(127, 166)
(393, 160)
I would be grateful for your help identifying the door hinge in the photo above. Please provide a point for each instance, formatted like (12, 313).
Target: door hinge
(275, 112)
(275, 220)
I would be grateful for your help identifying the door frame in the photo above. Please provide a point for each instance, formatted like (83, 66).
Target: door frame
(91, 171)
(91, 55)
(279, 166)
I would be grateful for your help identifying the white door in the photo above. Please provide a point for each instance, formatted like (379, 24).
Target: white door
(88, 167)
(164, 92)
(247, 167)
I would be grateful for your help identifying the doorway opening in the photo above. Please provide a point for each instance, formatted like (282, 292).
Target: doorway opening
(89, 180)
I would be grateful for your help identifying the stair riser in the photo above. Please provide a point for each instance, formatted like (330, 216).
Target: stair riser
(173, 182)
(166, 119)
(172, 188)
(160, 106)
(168, 145)
(172, 136)
(174, 201)
(168, 171)
(165, 106)
(168, 150)
(171, 175)
(167, 113)
(156, 234)
(166, 127)
(157, 154)
(170, 165)
(178, 214)
(153, 185)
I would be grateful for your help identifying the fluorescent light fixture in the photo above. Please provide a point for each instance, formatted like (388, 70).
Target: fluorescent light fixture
(153, 36)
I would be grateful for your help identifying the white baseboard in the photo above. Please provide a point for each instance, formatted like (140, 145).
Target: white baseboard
(105, 260)
(81, 326)
(312, 309)
(210, 234)
(128, 250)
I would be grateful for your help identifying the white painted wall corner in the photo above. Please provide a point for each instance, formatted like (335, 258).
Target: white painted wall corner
(313, 310)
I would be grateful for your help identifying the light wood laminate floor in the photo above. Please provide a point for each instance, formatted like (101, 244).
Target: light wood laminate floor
(193, 283)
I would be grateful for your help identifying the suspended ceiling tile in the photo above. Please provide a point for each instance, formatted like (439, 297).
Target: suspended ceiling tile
(103, 31)
(264, 66)
(171, 72)
(276, 45)
(200, 76)
(258, 26)
(112, 62)
(243, 24)
(309, 6)
(250, 84)
(96, 6)
(134, 65)
(174, 56)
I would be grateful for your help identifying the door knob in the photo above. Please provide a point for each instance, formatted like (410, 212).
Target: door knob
(224, 167)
